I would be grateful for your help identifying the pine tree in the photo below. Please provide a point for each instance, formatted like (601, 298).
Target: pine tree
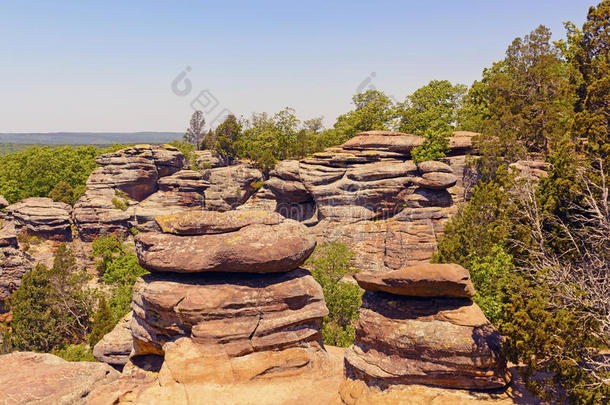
(103, 322)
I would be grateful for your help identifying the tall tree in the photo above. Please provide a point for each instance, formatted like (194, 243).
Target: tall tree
(593, 59)
(194, 133)
(286, 124)
(227, 135)
(431, 107)
(374, 111)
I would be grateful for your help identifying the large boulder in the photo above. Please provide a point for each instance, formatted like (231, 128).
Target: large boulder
(44, 379)
(444, 342)
(115, 347)
(100, 212)
(255, 248)
(8, 233)
(42, 217)
(426, 280)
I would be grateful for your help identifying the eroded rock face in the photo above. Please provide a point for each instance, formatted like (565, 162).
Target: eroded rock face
(369, 194)
(3, 202)
(230, 186)
(42, 217)
(234, 314)
(38, 378)
(115, 347)
(13, 265)
(255, 248)
(426, 280)
(440, 341)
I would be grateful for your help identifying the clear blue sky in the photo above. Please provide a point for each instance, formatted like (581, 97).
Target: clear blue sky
(79, 66)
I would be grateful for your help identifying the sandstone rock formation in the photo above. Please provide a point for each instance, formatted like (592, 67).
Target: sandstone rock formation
(223, 337)
(37, 378)
(422, 334)
(115, 347)
(372, 196)
(42, 217)
(3, 202)
(14, 264)
(230, 186)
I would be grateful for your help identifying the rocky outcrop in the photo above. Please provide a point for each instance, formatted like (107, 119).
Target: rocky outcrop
(230, 186)
(3, 202)
(115, 347)
(125, 178)
(37, 378)
(420, 333)
(369, 194)
(224, 332)
(13, 265)
(42, 217)
(254, 248)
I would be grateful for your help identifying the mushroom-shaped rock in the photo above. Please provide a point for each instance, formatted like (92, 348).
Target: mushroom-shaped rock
(256, 248)
(444, 342)
(426, 280)
(434, 166)
(384, 141)
(212, 222)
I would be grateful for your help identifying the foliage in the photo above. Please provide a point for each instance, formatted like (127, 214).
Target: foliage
(194, 133)
(374, 111)
(329, 263)
(432, 107)
(227, 135)
(119, 268)
(36, 171)
(52, 307)
(63, 192)
(75, 352)
(103, 322)
(435, 146)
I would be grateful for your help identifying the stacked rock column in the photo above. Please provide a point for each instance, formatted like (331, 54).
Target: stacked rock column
(226, 302)
(418, 325)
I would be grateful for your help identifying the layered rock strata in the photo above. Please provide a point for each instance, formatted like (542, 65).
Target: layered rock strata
(42, 217)
(418, 325)
(245, 318)
(370, 194)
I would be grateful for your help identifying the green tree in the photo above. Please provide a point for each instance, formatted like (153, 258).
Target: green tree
(103, 322)
(227, 137)
(194, 133)
(432, 107)
(62, 192)
(286, 124)
(374, 111)
(592, 57)
(329, 263)
(435, 146)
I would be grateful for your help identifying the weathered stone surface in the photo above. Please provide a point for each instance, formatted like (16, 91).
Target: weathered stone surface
(256, 248)
(425, 280)
(95, 214)
(8, 234)
(13, 265)
(214, 222)
(181, 192)
(230, 186)
(385, 141)
(42, 217)
(135, 170)
(206, 159)
(434, 341)
(434, 166)
(437, 180)
(357, 392)
(115, 347)
(38, 378)
(3, 202)
(233, 314)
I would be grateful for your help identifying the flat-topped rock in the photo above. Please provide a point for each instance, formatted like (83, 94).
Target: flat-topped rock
(437, 180)
(45, 379)
(43, 217)
(433, 341)
(434, 166)
(115, 347)
(426, 280)
(256, 248)
(214, 222)
(384, 141)
(96, 214)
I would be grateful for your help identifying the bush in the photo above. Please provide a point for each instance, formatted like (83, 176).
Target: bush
(103, 322)
(435, 147)
(329, 263)
(79, 352)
